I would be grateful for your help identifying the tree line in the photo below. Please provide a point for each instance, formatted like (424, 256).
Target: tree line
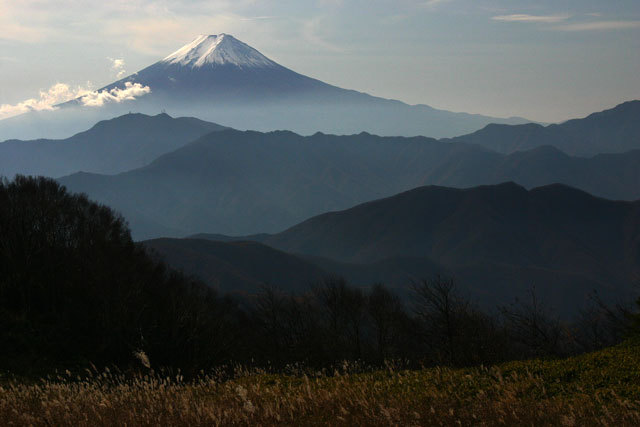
(75, 291)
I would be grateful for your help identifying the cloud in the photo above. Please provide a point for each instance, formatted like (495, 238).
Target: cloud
(521, 17)
(130, 92)
(314, 31)
(61, 92)
(434, 3)
(599, 26)
(46, 100)
(577, 26)
(118, 66)
(257, 18)
(157, 36)
(149, 26)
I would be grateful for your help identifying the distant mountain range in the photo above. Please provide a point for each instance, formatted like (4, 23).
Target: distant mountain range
(237, 267)
(498, 241)
(221, 79)
(111, 146)
(612, 131)
(234, 182)
(134, 140)
(243, 266)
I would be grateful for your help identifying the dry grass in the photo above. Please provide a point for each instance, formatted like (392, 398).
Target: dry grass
(601, 388)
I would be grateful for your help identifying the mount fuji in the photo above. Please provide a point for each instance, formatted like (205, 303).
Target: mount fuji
(219, 69)
(220, 78)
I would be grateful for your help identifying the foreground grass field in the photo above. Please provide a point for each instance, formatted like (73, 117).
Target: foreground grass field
(601, 388)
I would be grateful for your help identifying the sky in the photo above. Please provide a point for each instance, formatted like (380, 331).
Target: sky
(544, 60)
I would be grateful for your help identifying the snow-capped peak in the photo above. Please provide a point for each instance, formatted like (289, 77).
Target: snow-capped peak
(221, 49)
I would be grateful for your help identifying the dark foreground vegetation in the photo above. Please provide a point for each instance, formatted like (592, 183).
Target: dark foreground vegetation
(76, 292)
(599, 388)
(117, 338)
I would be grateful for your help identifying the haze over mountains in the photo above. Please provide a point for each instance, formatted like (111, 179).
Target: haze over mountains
(497, 240)
(134, 140)
(184, 176)
(237, 267)
(234, 182)
(611, 131)
(111, 146)
(243, 265)
(221, 79)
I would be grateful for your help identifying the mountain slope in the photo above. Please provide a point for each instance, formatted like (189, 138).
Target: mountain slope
(239, 183)
(242, 267)
(499, 240)
(235, 182)
(111, 146)
(614, 176)
(220, 78)
(611, 131)
(246, 266)
(472, 224)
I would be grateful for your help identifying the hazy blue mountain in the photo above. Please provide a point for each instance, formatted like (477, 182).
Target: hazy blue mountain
(614, 176)
(238, 183)
(498, 240)
(234, 182)
(243, 266)
(111, 146)
(465, 224)
(612, 131)
(239, 267)
(222, 79)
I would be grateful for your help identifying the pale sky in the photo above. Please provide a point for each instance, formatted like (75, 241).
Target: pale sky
(541, 59)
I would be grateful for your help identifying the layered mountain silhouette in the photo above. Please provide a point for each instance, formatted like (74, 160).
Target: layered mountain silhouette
(111, 146)
(220, 78)
(612, 131)
(243, 266)
(235, 182)
(238, 267)
(497, 240)
(503, 221)
(134, 140)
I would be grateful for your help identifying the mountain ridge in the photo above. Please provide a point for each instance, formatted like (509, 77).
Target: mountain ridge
(262, 98)
(218, 50)
(109, 146)
(498, 241)
(614, 130)
(246, 182)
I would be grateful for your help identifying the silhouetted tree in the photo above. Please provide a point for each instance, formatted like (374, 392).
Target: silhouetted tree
(440, 310)
(342, 310)
(534, 329)
(390, 323)
(74, 288)
(453, 330)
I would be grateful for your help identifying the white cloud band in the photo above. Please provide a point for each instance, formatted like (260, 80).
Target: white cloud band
(60, 92)
(130, 92)
(599, 26)
(521, 17)
(118, 66)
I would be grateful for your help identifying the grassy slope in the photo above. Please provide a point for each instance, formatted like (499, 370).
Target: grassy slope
(594, 389)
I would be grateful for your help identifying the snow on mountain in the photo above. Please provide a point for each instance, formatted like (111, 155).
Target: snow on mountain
(221, 79)
(222, 49)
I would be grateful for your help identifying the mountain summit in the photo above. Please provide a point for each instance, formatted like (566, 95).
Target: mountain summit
(213, 50)
(222, 79)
